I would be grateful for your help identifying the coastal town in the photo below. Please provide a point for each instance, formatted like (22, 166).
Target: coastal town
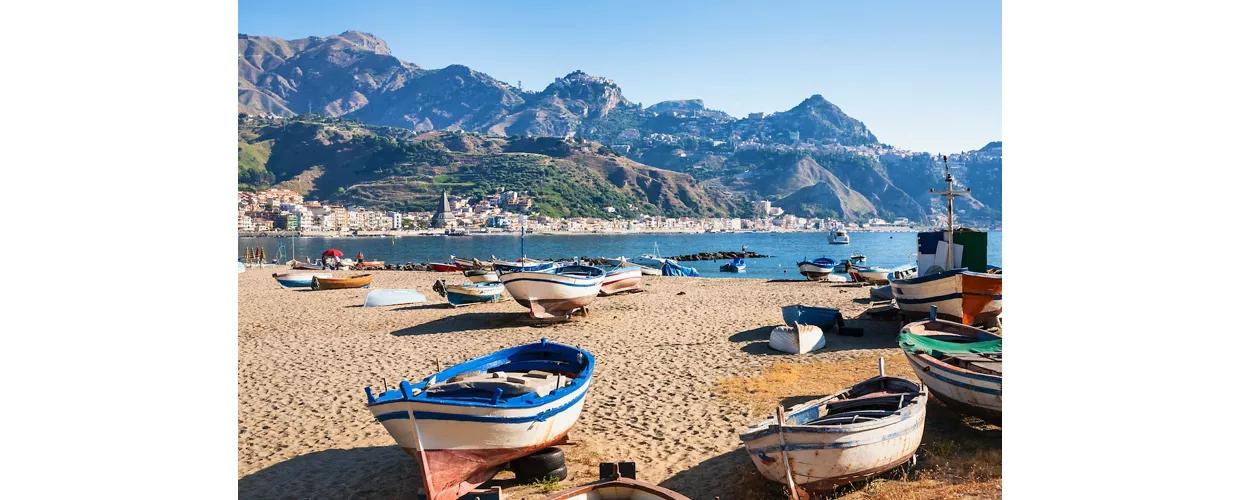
(276, 212)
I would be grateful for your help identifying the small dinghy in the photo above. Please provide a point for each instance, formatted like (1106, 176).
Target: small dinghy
(444, 267)
(825, 318)
(329, 283)
(482, 276)
(736, 266)
(392, 297)
(465, 294)
(613, 485)
(961, 365)
(465, 423)
(860, 432)
(298, 280)
(620, 278)
(797, 339)
(816, 269)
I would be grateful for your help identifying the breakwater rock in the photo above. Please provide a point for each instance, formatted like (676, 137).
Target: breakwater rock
(718, 256)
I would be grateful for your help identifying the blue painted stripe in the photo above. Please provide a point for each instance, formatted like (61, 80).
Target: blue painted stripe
(494, 419)
(919, 365)
(904, 414)
(950, 296)
(964, 385)
(833, 445)
(595, 282)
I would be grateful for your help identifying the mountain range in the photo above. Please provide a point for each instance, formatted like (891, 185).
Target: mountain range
(812, 160)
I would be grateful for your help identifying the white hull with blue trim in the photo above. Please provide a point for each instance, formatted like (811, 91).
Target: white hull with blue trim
(464, 423)
(465, 294)
(959, 295)
(969, 381)
(298, 280)
(860, 432)
(555, 292)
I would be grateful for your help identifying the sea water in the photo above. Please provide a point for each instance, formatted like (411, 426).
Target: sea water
(885, 249)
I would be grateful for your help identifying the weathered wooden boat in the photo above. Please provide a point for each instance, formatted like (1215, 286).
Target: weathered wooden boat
(392, 297)
(613, 486)
(798, 338)
(298, 280)
(902, 273)
(619, 278)
(736, 266)
(816, 269)
(502, 266)
(825, 318)
(444, 267)
(470, 264)
(959, 295)
(554, 292)
(961, 365)
(464, 423)
(857, 433)
(355, 281)
(464, 294)
(482, 275)
(304, 266)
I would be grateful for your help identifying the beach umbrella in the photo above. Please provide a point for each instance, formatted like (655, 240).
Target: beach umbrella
(332, 252)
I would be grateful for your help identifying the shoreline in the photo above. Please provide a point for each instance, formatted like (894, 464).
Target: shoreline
(411, 234)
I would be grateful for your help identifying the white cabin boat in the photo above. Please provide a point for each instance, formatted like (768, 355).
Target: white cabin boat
(837, 236)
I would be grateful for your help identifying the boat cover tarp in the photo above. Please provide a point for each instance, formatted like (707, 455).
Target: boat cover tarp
(672, 269)
(974, 243)
(918, 343)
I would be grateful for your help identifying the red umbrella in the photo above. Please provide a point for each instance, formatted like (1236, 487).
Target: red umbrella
(332, 252)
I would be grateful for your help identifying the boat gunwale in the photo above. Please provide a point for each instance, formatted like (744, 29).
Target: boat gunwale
(903, 414)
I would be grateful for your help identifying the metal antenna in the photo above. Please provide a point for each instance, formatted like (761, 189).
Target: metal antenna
(950, 194)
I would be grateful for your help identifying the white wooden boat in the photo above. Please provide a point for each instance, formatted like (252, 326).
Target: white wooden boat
(392, 297)
(555, 292)
(620, 278)
(798, 338)
(465, 423)
(959, 295)
(961, 365)
(816, 269)
(482, 276)
(860, 432)
(298, 280)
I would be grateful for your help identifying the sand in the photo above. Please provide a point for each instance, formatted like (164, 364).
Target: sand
(305, 356)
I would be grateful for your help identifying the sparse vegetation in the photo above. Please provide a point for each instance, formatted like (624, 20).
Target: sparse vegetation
(547, 484)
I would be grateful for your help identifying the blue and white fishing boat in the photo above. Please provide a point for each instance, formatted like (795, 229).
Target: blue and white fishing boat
(465, 423)
(298, 280)
(503, 266)
(465, 294)
(816, 269)
(392, 297)
(736, 266)
(962, 365)
(554, 292)
(854, 434)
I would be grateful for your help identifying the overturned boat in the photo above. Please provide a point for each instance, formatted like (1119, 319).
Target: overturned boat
(554, 292)
(962, 365)
(798, 338)
(465, 423)
(825, 318)
(392, 297)
(857, 433)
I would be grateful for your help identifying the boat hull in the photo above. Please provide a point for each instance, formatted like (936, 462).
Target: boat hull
(961, 296)
(814, 271)
(824, 458)
(966, 391)
(444, 268)
(482, 277)
(298, 280)
(362, 281)
(380, 298)
(461, 295)
(622, 279)
(549, 295)
(618, 489)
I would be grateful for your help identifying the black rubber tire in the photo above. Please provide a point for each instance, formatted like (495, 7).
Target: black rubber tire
(539, 463)
(559, 473)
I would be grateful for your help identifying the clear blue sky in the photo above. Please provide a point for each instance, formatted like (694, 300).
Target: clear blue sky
(921, 75)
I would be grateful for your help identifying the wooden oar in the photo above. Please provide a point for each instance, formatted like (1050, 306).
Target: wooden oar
(783, 449)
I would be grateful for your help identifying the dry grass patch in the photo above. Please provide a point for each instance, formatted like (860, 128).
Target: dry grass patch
(959, 457)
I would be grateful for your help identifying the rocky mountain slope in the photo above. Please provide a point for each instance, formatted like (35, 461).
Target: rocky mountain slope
(812, 159)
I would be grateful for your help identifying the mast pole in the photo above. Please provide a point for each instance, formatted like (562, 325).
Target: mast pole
(950, 194)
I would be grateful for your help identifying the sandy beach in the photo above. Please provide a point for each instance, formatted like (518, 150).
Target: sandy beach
(669, 360)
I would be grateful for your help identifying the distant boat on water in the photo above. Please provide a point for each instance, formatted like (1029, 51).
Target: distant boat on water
(736, 266)
(465, 423)
(838, 236)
